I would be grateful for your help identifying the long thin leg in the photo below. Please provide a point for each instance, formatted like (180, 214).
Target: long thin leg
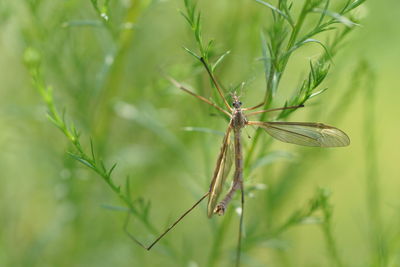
(256, 106)
(239, 245)
(183, 88)
(214, 80)
(273, 109)
(168, 229)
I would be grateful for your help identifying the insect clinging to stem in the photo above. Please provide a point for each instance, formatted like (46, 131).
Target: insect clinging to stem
(299, 133)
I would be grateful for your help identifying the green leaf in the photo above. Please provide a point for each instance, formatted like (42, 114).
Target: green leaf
(82, 160)
(192, 53)
(338, 17)
(317, 93)
(277, 10)
(219, 60)
(111, 170)
(266, 56)
(354, 5)
(186, 17)
(310, 40)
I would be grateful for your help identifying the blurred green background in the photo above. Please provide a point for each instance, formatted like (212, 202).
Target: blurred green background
(54, 210)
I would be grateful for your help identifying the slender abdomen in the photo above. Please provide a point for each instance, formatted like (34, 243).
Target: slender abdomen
(238, 176)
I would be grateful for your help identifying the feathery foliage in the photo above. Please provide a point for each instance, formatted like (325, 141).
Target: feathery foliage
(103, 58)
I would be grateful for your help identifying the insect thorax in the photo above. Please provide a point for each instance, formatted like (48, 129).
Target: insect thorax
(238, 119)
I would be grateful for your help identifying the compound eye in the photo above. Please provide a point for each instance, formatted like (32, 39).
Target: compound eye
(233, 103)
(240, 103)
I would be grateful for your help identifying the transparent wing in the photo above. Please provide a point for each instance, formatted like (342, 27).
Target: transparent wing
(222, 169)
(305, 133)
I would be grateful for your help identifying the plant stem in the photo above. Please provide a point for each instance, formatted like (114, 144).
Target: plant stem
(379, 247)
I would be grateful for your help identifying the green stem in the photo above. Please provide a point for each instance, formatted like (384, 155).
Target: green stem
(270, 83)
(331, 244)
(379, 247)
(218, 239)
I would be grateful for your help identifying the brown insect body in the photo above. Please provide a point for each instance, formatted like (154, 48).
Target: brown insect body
(238, 121)
(299, 133)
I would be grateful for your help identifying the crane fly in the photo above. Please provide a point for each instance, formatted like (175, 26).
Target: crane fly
(299, 133)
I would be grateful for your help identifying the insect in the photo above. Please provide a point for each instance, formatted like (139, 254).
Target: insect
(299, 133)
